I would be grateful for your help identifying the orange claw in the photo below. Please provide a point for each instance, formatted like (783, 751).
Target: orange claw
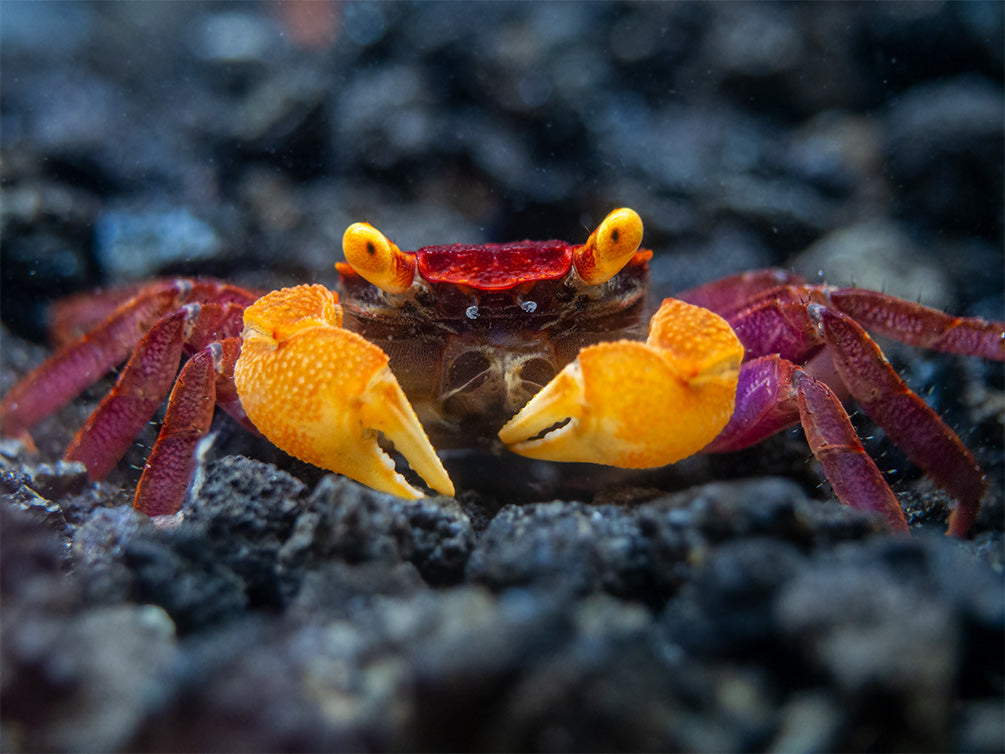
(322, 393)
(637, 405)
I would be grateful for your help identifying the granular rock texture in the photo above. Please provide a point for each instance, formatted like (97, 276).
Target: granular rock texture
(732, 616)
(723, 604)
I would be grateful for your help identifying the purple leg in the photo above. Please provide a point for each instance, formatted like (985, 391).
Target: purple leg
(856, 480)
(774, 394)
(80, 364)
(730, 295)
(765, 404)
(73, 316)
(905, 417)
(921, 326)
(145, 381)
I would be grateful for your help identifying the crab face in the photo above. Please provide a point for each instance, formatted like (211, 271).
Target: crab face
(480, 329)
(456, 339)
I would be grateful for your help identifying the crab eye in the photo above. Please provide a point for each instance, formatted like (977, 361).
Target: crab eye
(376, 259)
(609, 247)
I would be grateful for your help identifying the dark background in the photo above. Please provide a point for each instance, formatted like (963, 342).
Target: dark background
(855, 143)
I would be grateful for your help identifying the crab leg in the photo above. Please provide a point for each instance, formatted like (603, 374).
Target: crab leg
(169, 467)
(74, 315)
(636, 405)
(322, 393)
(921, 326)
(142, 385)
(797, 330)
(774, 394)
(856, 480)
(144, 382)
(905, 417)
(771, 291)
(729, 295)
(81, 363)
(765, 405)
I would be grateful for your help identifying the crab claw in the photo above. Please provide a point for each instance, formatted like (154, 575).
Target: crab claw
(322, 393)
(637, 405)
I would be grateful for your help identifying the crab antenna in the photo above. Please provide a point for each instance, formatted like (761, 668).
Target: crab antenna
(609, 247)
(375, 258)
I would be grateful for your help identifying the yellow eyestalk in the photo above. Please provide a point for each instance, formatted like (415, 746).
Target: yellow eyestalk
(609, 247)
(375, 258)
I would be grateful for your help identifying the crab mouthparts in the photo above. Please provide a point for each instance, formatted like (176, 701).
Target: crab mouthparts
(548, 416)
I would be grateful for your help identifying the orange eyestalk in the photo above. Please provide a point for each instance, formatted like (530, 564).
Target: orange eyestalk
(609, 247)
(375, 258)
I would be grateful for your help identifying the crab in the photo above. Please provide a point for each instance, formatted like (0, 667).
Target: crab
(538, 347)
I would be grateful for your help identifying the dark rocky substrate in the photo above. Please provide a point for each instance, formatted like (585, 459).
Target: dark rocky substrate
(733, 616)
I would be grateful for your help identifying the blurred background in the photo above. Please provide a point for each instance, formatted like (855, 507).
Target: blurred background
(860, 142)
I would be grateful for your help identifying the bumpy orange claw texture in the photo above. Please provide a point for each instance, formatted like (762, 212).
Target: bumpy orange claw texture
(322, 393)
(637, 405)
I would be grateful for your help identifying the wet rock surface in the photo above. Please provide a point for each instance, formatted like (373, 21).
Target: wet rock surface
(724, 604)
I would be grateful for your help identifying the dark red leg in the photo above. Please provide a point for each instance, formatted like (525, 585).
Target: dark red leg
(774, 394)
(216, 322)
(832, 438)
(730, 295)
(169, 468)
(146, 380)
(905, 417)
(921, 326)
(72, 316)
(765, 404)
(140, 389)
(220, 324)
(80, 364)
